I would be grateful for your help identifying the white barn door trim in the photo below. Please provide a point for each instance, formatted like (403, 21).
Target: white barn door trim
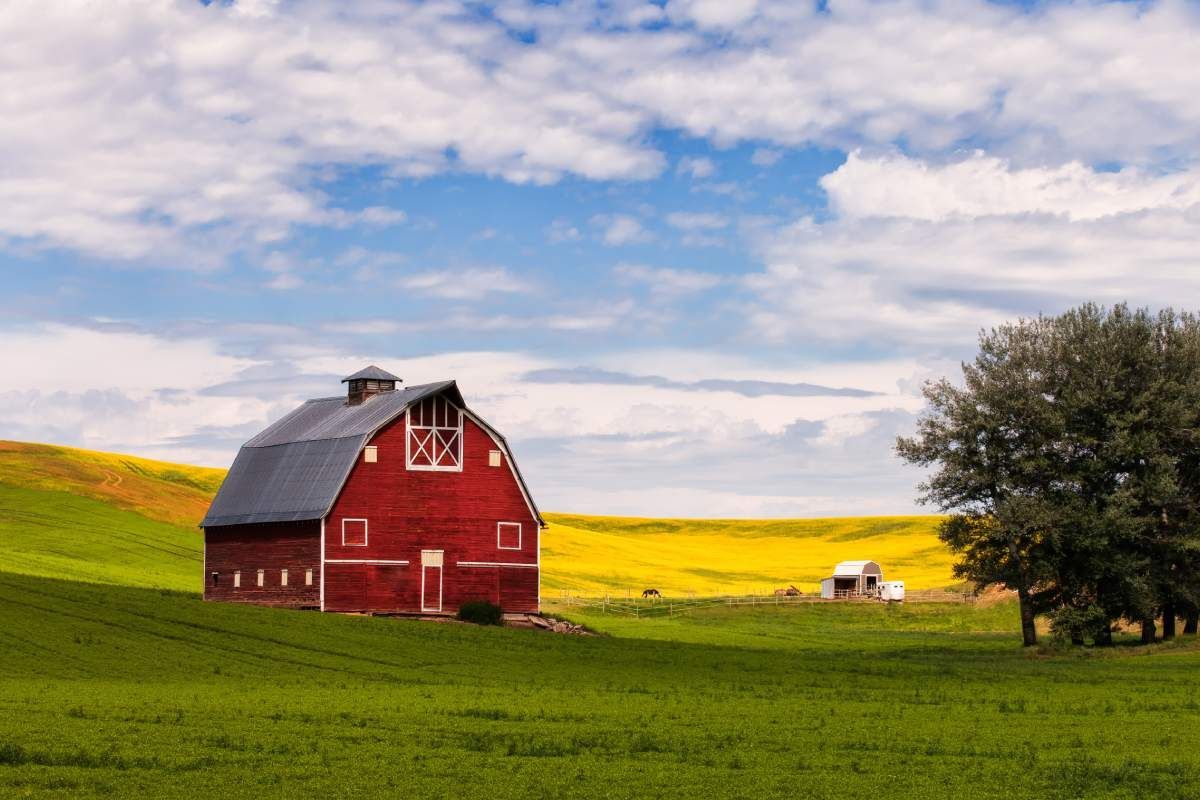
(431, 560)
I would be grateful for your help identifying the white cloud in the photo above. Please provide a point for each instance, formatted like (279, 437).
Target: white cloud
(621, 229)
(696, 221)
(925, 255)
(696, 167)
(713, 13)
(765, 157)
(181, 132)
(381, 216)
(183, 399)
(982, 185)
(466, 284)
(667, 281)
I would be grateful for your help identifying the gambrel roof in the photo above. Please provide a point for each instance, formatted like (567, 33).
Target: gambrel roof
(294, 469)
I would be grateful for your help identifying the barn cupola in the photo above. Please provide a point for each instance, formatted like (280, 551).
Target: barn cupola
(368, 382)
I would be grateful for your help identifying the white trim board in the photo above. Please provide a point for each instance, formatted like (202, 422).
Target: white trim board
(494, 564)
(365, 561)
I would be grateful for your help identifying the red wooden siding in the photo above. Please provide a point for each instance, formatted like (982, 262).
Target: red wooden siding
(275, 546)
(413, 510)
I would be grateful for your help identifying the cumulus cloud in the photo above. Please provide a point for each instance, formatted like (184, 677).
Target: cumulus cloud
(924, 254)
(621, 229)
(184, 132)
(696, 167)
(983, 185)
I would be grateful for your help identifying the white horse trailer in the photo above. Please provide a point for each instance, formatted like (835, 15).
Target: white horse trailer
(892, 591)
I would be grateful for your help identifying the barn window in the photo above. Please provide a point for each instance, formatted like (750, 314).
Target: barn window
(493, 458)
(354, 532)
(308, 577)
(283, 577)
(216, 578)
(237, 579)
(262, 573)
(435, 436)
(370, 454)
(508, 535)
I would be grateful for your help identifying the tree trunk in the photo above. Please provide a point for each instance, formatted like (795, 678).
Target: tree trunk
(1103, 637)
(1028, 629)
(1191, 622)
(1148, 631)
(1168, 621)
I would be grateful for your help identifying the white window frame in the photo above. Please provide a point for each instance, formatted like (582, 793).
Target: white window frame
(495, 458)
(283, 577)
(436, 436)
(237, 579)
(371, 454)
(262, 578)
(501, 525)
(365, 532)
(308, 577)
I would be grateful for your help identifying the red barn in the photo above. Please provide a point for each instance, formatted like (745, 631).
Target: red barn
(386, 499)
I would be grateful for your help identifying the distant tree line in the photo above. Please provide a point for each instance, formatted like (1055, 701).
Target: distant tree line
(1069, 462)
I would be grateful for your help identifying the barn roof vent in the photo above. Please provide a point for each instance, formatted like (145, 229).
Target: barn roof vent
(367, 382)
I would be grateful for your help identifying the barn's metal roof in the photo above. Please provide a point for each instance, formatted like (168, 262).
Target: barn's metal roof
(295, 468)
(371, 373)
(852, 569)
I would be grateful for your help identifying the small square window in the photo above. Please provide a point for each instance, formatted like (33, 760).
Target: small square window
(354, 532)
(308, 577)
(494, 458)
(508, 535)
(237, 579)
(371, 454)
(262, 574)
(283, 577)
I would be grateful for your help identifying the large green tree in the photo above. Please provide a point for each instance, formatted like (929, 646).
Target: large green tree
(1068, 460)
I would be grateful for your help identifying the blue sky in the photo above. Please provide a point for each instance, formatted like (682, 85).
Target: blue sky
(693, 257)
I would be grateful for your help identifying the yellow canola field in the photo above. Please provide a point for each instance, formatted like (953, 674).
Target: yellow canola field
(592, 556)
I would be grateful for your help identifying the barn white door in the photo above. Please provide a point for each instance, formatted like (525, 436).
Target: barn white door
(431, 580)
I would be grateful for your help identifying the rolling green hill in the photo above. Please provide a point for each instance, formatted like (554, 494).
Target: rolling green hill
(118, 681)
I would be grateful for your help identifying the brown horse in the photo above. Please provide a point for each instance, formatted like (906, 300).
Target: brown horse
(791, 591)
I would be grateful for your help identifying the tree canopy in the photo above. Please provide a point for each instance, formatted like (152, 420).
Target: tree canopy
(1068, 460)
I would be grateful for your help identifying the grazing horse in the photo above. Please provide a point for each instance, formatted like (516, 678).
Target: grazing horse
(652, 593)
(791, 591)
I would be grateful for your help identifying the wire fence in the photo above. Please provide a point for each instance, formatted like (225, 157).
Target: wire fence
(651, 607)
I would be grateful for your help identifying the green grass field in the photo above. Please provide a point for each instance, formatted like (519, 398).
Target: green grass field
(118, 681)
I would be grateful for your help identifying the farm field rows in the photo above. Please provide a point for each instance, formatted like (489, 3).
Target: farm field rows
(128, 692)
(119, 681)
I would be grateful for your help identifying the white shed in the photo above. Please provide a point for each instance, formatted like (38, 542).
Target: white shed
(851, 578)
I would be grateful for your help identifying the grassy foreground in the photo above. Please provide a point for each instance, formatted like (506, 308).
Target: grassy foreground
(136, 693)
(118, 681)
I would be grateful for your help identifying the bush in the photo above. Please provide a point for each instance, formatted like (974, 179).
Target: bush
(480, 612)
